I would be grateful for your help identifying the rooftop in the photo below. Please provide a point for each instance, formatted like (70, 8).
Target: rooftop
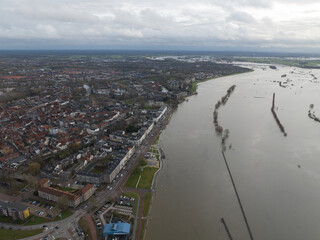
(116, 229)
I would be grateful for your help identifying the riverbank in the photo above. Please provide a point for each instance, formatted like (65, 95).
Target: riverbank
(143, 184)
(195, 84)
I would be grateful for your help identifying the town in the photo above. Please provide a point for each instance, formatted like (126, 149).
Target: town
(79, 136)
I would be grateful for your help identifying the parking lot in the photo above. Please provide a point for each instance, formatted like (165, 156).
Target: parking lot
(40, 209)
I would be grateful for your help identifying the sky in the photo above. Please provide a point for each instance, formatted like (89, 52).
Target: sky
(257, 25)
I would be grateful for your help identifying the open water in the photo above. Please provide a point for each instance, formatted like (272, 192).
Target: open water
(281, 200)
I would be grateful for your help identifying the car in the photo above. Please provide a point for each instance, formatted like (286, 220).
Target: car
(56, 227)
(44, 226)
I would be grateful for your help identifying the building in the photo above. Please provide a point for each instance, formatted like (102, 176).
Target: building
(87, 176)
(159, 114)
(15, 210)
(141, 134)
(74, 199)
(116, 229)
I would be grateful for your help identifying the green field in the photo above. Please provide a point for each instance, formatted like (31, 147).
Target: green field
(39, 220)
(193, 86)
(34, 220)
(64, 214)
(135, 196)
(147, 177)
(146, 173)
(6, 234)
(133, 179)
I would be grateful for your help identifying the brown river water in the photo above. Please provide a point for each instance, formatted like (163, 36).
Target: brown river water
(277, 177)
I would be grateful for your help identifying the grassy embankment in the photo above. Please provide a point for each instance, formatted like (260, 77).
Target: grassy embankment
(146, 207)
(6, 234)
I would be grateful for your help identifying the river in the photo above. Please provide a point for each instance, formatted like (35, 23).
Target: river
(277, 177)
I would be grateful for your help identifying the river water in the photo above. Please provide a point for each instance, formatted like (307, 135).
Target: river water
(281, 199)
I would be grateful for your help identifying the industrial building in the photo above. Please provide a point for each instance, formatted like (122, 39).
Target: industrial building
(120, 230)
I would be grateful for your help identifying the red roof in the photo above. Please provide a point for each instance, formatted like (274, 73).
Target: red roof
(86, 188)
(43, 181)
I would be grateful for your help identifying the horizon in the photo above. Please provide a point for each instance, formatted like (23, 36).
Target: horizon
(169, 51)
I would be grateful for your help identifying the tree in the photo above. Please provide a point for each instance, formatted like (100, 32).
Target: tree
(63, 202)
(33, 182)
(34, 168)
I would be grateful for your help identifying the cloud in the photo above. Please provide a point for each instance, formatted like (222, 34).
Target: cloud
(180, 23)
(57, 14)
(241, 17)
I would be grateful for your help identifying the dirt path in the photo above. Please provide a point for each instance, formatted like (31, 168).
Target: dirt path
(90, 222)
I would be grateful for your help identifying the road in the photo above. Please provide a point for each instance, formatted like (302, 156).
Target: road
(56, 229)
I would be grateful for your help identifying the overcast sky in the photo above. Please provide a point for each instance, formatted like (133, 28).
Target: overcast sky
(287, 25)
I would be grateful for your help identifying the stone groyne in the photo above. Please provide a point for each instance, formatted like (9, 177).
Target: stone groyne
(276, 117)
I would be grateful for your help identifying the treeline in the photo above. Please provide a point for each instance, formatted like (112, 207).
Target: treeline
(218, 127)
